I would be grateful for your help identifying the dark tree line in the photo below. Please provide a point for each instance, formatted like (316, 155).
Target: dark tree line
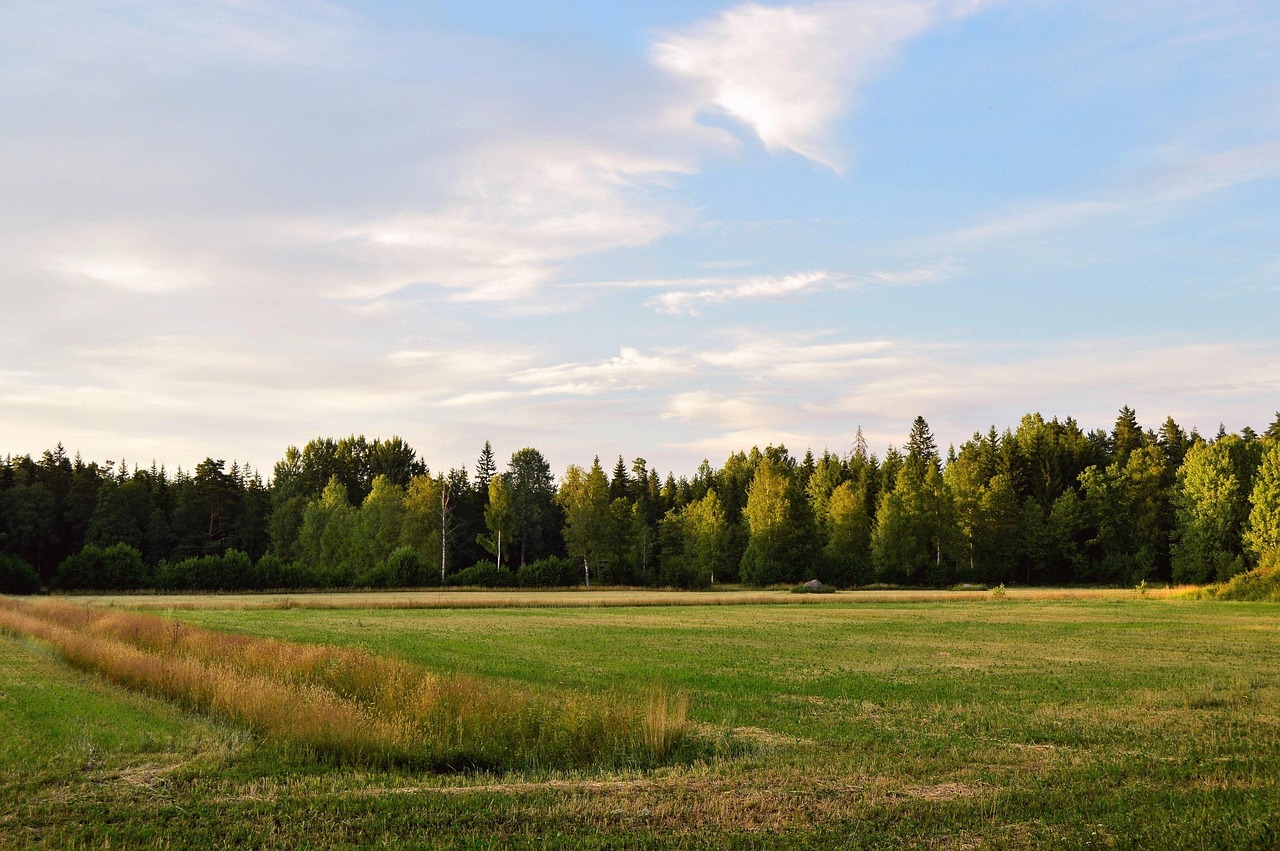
(1044, 503)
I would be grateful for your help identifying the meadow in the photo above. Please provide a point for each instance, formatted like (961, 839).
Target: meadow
(1064, 719)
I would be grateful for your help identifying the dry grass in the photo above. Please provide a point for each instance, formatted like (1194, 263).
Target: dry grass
(598, 598)
(350, 703)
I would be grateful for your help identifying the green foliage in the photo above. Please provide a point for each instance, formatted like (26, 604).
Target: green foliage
(1262, 532)
(917, 531)
(846, 522)
(407, 569)
(229, 571)
(782, 547)
(484, 574)
(550, 572)
(1262, 584)
(115, 568)
(17, 577)
(1045, 503)
(1211, 504)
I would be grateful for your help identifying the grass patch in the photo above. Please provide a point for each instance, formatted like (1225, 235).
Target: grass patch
(1076, 721)
(351, 704)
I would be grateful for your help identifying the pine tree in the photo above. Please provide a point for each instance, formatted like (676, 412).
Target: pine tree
(1126, 436)
(1273, 431)
(486, 467)
(921, 447)
(620, 483)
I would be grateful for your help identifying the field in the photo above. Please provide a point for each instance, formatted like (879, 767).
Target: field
(1103, 719)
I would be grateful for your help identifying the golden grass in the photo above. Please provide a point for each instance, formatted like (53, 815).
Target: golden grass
(598, 598)
(350, 703)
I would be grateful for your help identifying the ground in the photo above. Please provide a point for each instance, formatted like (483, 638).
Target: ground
(952, 720)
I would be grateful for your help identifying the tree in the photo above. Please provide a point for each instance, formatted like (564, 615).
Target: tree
(782, 543)
(498, 516)
(998, 536)
(706, 536)
(379, 525)
(327, 538)
(921, 447)
(393, 459)
(1272, 432)
(486, 468)
(916, 528)
(584, 496)
(619, 482)
(420, 530)
(533, 508)
(1126, 436)
(1211, 505)
(846, 555)
(767, 513)
(1262, 532)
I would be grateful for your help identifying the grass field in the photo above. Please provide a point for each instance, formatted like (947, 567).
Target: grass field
(1095, 720)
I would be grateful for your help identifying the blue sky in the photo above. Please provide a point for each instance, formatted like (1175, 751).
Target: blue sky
(661, 229)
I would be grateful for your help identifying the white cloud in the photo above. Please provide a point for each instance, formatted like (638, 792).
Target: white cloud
(760, 287)
(685, 295)
(629, 370)
(789, 72)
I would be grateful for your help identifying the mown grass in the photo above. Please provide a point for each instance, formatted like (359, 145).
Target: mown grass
(349, 704)
(474, 598)
(1122, 722)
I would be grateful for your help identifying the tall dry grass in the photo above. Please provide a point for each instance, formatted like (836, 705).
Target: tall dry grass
(353, 704)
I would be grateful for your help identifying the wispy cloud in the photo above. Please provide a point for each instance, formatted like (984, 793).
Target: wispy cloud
(1174, 178)
(630, 369)
(687, 295)
(789, 72)
(686, 301)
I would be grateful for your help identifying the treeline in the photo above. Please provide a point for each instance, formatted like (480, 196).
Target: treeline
(1045, 503)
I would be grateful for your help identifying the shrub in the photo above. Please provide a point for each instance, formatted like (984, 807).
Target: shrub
(381, 575)
(550, 572)
(484, 574)
(269, 572)
(297, 574)
(17, 577)
(230, 571)
(1262, 584)
(409, 569)
(116, 568)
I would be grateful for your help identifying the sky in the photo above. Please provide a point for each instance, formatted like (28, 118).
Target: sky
(664, 229)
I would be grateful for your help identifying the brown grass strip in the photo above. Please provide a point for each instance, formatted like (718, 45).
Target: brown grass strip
(601, 598)
(351, 703)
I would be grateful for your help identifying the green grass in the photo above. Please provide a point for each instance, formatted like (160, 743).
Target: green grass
(1010, 723)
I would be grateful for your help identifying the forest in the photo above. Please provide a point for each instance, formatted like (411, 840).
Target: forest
(1046, 503)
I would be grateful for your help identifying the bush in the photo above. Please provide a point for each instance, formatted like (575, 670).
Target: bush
(409, 570)
(116, 568)
(297, 574)
(17, 577)
(550, 572)
(1262, 584)
(269, 572)
(230, 571)
(381, 575)
(484, 574)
